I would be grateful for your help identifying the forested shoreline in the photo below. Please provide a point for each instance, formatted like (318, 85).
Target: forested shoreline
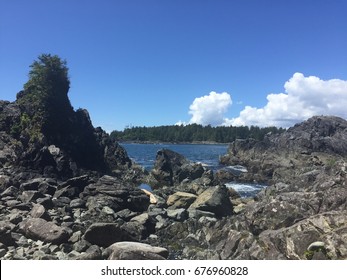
(192, 133)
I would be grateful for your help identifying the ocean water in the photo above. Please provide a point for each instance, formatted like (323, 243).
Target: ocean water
(208, 155)
(144, 154)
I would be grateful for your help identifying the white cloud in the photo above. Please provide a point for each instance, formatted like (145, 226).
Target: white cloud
(304, 97)
(210, 109)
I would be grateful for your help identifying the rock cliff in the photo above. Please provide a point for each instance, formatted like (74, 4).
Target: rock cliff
(40, 131)
(318, 141)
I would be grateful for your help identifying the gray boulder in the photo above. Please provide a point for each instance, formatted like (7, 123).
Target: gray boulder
(37, 228)
(43, 185)
(30, 196)
(167, 166)
(172, 168)
(72, 187)
(180, 200)
(105, 234)
(39, 211)
(135, 251)
(214, 199)
(114, 193)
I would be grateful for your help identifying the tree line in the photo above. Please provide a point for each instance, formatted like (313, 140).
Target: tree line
(192, 133)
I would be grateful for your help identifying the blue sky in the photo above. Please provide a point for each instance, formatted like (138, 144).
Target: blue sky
(159, 62)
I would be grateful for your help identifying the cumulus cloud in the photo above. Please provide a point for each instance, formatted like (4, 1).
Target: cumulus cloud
(210, 109)
(304, 97)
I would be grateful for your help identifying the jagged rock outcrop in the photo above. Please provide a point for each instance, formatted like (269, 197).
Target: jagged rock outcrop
(105, 234)
(314, 142)
(64, 154)
(41, 131)
(171, 169)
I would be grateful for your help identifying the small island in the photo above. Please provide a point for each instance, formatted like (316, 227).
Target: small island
(192, 134)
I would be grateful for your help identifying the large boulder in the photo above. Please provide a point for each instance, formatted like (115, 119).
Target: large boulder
(167, 165)
(43, 185)
(39, 211)
(114, 193)
(172, 168)
(40, 229)
(215, 200)
(72, 187)
(105, 234)
(180, 200)
(135, 251)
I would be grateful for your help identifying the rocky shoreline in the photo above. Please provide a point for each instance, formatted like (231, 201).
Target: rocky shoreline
(69, 192)
(189, 215)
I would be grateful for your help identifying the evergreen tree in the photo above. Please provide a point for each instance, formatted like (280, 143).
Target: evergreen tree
(45, 99)
(193, 133)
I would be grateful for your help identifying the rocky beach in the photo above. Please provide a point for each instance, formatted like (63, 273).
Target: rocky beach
(70, 192)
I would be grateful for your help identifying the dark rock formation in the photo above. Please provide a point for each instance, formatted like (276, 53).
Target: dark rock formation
(58, 142)
(105, 234)
(111, 192)
(172, 168)
(311, 143)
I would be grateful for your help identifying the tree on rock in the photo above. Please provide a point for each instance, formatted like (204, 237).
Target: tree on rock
(49, 74)
(45, 99)
(42, 116)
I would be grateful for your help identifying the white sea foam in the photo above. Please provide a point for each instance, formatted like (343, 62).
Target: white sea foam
(239, 168)
(246, 190)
